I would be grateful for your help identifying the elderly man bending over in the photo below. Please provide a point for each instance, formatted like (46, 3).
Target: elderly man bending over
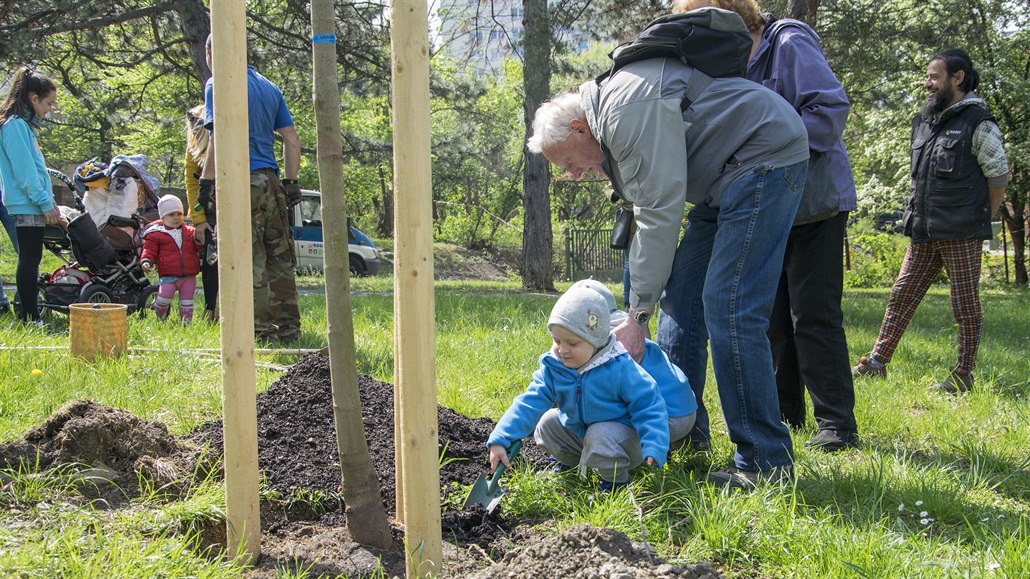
(666, 134)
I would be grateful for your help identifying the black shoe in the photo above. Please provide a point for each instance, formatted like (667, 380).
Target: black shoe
(5, 309)
(829, 440)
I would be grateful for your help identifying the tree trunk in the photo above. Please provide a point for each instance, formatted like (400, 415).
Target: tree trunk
(804, 10)
(1014, 218)
(537, 237)
(366, 516)
(386, 213)
(195, 26)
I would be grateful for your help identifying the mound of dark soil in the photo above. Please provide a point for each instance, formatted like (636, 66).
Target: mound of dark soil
(109, 448)
(297, 444)
(587, 552)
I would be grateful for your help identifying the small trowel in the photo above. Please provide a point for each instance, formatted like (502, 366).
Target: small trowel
(488, 491)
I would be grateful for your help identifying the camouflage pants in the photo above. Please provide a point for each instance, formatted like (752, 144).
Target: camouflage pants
(276, 314)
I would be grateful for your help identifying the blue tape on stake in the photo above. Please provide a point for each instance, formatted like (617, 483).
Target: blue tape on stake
(323, 39)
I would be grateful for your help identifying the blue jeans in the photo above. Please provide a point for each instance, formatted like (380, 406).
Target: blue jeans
(721, 289)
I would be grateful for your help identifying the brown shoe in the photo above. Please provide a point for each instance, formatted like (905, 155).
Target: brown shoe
(869, 367)
(958, 381)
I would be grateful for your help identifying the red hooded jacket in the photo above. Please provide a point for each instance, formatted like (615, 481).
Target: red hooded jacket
(161, 249)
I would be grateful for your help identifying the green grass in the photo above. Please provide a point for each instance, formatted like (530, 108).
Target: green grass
(939, 488)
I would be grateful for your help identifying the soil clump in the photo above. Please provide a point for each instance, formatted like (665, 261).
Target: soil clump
(587, 552)
(108, 451)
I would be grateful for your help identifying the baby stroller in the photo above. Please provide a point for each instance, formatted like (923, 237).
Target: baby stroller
(101, 246)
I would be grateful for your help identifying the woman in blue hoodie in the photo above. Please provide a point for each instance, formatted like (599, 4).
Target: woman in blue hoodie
(27, 192)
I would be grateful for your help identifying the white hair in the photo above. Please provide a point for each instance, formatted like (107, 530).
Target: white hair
(551, 123)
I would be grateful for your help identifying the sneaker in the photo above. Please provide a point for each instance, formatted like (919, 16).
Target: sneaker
(557, 467)
(958, 381)
(736, 478)
(610, 486)
(830, 440)
(869, 366)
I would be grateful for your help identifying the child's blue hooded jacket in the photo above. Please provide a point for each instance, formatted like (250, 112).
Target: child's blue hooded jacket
(672, 383)
(610, 387)
(26, 183)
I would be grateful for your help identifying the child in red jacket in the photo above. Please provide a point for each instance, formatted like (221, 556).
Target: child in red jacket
(168, 243)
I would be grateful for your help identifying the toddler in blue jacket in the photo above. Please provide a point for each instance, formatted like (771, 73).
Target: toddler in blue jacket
(589, 403)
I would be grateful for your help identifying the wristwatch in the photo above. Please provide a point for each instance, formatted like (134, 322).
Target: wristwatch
(640, 316)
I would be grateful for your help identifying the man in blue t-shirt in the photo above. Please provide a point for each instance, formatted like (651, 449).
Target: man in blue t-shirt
(276, 314)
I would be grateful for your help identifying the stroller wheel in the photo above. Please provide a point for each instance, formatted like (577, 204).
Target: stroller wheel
(93, 293)
(146, 300)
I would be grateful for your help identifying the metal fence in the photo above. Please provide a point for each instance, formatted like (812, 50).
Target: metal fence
(588, 253)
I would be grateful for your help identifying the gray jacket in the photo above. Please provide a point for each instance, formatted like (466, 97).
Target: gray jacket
(660, 157)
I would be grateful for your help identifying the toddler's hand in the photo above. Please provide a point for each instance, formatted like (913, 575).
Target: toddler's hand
(498, 454)
(650, 461)
(146, 266)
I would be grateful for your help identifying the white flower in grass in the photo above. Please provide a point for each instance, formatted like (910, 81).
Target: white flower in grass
(924, 513)
(994, 566)
(901, 508)
(919, 503)
(925, 521)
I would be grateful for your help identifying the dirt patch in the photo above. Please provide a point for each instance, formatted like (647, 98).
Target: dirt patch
(296, 427)
(109, 450)
(304, 522)
(455, 262)
(587, 552)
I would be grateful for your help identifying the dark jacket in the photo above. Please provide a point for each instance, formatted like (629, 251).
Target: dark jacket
(949, 190)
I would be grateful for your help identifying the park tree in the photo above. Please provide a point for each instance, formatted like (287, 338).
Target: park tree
(537, 245)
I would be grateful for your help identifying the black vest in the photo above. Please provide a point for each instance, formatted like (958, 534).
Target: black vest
(949, 190)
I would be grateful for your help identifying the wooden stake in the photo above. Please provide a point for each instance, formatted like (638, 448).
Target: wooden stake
(414, 367)
(232, 165)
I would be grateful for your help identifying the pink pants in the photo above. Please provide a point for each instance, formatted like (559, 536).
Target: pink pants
(186, 286)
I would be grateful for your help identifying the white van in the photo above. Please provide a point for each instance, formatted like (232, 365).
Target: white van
(306, 222)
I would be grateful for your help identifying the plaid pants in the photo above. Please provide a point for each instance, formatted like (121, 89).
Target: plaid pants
(923, 261)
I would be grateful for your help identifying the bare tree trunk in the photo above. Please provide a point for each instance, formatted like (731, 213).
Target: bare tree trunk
(537, 238)
(386, 213)
(366, 515)
(195, 26)
(1014, 217)
(804, 10)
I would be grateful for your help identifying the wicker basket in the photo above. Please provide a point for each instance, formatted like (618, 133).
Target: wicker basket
(97, 330)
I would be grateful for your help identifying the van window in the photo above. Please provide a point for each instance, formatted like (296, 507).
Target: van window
(311, 212)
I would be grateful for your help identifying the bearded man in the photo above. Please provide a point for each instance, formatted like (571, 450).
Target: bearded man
(959, 173)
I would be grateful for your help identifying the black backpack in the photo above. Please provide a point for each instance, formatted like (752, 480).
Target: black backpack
(712, 40)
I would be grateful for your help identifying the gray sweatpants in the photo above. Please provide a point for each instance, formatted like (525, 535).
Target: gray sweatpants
(611, 448)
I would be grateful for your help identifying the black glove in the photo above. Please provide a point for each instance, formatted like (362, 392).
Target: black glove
(293, 194)
(206, 198)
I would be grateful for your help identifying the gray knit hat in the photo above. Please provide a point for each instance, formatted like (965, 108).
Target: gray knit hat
(583, 312)
(616, 315)
(600, 288)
